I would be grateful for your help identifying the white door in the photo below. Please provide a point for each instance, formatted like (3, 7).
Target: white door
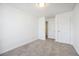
(63, 33)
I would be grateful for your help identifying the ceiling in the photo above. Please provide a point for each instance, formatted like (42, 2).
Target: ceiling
(50, 10)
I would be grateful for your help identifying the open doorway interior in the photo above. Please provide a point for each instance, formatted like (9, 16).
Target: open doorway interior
(46, 32)
(50, 28)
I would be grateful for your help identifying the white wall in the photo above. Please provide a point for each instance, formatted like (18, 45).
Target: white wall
(17, 28)
(0, 24)
(63, 27)
(41, 28)
(51, 27)
(75, 22)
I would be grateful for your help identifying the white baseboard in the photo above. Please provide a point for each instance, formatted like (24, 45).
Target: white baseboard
(29, 41)
(76, 48)
(41, 39)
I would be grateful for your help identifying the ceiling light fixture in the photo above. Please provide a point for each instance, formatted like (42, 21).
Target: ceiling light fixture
(41, 4)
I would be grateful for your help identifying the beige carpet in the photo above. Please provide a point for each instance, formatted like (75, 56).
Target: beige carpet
(43, 48)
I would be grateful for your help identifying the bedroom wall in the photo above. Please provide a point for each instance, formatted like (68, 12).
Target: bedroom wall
(41, 28)
(16, 28)
(75, 22)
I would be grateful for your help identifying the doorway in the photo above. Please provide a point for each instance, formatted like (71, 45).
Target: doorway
(50, 28)
(46, 31)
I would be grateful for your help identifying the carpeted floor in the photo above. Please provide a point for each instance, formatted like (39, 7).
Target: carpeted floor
(43, 48)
